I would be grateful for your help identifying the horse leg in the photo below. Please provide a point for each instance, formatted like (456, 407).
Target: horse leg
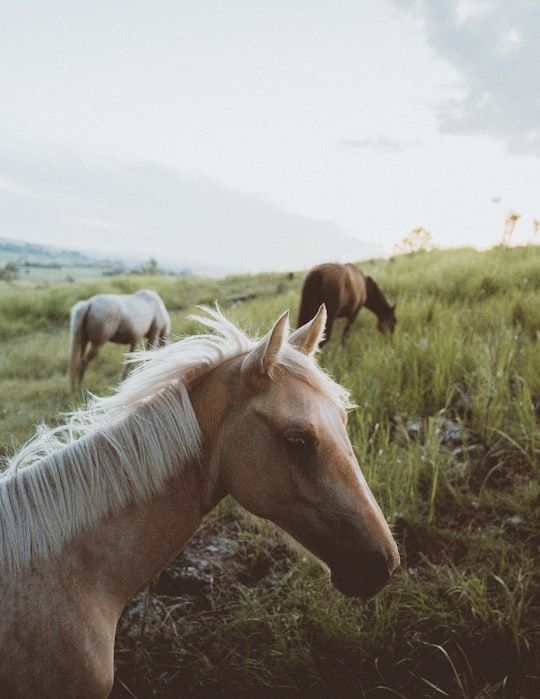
(157, 336)
(162, 337)
(85, 361)
(346, 329)
(80, 369)
(153, 338)
(348, 325)
(330, 317)
(126, 367)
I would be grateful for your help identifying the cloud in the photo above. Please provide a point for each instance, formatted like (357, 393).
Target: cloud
(495, 47)
(381, 145)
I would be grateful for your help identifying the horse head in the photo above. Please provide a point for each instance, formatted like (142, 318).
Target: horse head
(285, 456)
(387, 320)
(376, 302)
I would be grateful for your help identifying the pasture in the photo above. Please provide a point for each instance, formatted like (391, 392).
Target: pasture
(447, 434)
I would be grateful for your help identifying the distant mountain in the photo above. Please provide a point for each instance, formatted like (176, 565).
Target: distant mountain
(23, 254)
(34, 255)
(241, 256)
(137, 211)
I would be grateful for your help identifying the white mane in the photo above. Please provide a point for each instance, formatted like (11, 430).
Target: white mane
(121, 449)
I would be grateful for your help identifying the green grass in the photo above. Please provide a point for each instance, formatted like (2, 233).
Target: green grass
(462, 617)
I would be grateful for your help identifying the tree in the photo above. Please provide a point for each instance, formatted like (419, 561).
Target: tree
(9, 272)
(509, 226)
(151, 268)
(418, 239)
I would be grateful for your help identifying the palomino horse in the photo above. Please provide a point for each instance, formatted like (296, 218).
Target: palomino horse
(92, 510)
(344, 290)
(121, 318)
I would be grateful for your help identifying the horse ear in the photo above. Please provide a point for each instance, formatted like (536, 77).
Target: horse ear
(262, 358)
(307, 338)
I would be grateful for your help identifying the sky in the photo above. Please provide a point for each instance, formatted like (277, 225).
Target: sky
(268, 134)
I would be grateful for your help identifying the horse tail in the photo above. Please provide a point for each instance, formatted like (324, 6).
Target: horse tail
(311, 297)
(77, 322)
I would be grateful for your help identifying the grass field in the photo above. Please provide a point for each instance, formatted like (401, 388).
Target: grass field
(447, 434)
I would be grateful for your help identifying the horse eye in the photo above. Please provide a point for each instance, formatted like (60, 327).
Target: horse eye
(296, 440)
(300, 440)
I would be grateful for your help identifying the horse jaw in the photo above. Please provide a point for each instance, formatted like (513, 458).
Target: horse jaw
(307, 338)
(261, 360)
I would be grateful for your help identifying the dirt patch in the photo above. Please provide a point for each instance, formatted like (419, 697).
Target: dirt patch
(196, 584)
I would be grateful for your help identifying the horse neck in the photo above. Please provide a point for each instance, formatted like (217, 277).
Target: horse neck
(125, 552)
(375, 301)
(131, 548)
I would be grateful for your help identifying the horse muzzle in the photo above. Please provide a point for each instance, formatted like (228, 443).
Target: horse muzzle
(367, 581)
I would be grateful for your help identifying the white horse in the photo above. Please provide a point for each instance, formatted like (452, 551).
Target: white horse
(120, 318)
(91, 511)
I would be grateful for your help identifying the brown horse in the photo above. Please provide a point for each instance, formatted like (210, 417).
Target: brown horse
(344, 289)
(121, 318)
(92, 510)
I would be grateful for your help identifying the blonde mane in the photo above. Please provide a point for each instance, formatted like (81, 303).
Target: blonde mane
(122, 448)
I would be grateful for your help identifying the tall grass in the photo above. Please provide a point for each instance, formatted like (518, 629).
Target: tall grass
(447, 433)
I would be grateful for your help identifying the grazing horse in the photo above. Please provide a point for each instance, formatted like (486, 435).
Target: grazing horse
(92, 510)
(344, 289)
(121, 318)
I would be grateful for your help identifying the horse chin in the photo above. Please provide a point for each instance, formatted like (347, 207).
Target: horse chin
(355, 585)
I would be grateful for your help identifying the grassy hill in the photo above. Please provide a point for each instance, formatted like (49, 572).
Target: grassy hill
(447, 434)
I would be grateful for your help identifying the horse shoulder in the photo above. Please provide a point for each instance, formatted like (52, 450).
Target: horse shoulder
(357, 285)
(136, 317)
(54, 642)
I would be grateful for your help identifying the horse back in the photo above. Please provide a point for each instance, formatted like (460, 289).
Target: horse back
(342, 288)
